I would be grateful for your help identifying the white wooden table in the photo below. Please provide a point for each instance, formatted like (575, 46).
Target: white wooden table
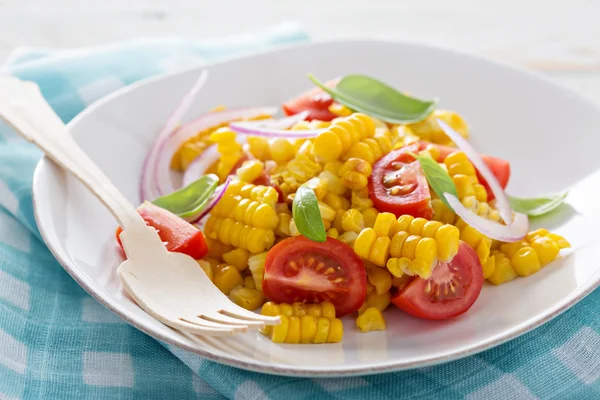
(559, 37)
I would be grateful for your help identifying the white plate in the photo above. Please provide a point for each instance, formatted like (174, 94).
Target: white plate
(549, 135)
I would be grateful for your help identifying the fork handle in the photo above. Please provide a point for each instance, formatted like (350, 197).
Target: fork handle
(24, 108)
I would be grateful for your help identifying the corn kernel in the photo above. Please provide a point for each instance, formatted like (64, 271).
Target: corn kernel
(250, 170)
(560, 241)
(398, 243)
(282, 150)
(464, 186)
(383, 224)
(238, 258)
(333, 233)
(488, 267)
(354, 180)
(371, 320)
(328, 146)
(308, 324)
(227, 278)
(286, 309)
(370, 216)
(380, 278)
(403, 223)
(364, 242)
(353, 221)
(348, 238)
(223, 135)
(207, 268)
(279, 332)
(379, 301)
(409, 246)
(327, 310)
(323, 325)
(546, 249)
(541, 232)
(525, 261)
(336, 331)
(249, 282)
(250, 299)
(380, 251)
(259, 147)
(426, 250)
(503, 272)
(429, 229)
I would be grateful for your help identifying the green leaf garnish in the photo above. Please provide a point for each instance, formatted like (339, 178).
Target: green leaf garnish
(305, 210)
(534, 207)
(376, 99)
(438, 178)
(191, 200)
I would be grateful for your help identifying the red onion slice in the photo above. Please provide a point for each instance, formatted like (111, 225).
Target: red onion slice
(505, 233)
(148, 188)
(502, 201)
(199, 166)
(160, 170)
(274, 129)
(217, 195)
(282, 123)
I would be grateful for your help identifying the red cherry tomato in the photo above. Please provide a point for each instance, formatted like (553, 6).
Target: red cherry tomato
(300, 270)
(178, 235)
(450, 291)
(398, 185)
(315, 101)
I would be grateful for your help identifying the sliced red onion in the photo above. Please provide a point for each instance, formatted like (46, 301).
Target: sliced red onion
(199, 166)
(282, 123)
(167, 148)
(265, 129)
(217, 195)
(505, 233)
(148, 187)
(502, 201)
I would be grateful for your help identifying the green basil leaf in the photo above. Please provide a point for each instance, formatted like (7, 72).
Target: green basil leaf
(438, 178)
(305, 210)
(375, 98)
(191, 200)
(535, 207)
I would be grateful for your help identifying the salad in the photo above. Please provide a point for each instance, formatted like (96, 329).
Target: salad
(361, 199)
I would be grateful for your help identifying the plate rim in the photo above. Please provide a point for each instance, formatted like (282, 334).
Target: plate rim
(300, 371)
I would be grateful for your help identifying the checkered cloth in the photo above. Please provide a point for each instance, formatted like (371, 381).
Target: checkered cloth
(56, 342)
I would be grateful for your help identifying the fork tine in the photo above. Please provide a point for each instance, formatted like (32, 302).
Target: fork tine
(224, 319)
(199, 329)
(235, 311)
(210, 324)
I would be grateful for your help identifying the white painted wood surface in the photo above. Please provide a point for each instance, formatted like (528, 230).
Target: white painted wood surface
(559, 37)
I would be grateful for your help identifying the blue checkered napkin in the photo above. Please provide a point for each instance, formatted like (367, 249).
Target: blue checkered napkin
(56, 342)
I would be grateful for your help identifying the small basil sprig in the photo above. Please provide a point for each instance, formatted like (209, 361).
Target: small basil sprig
(534, 207)
(375, 98)
(438, 178)
(191, 200)
(305, 210)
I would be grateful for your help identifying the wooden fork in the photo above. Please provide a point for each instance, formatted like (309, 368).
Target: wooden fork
(171, 287)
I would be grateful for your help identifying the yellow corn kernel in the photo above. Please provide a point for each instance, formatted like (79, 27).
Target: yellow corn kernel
(282, 150)
(430, 228)
(294, 329)
(370, 216)
(380, 251)
(238, 258)
(299, 309)
(260, 240)
(315, 310)
(416, 226)
(383, 224)
(480, 192)
(400, 266)
(409, 246)
(216, 249)
(333, 167)
(334, 184)
(364, 242)
(483, 249)
(283, 227)
(323, 325)
(227, 277)
(279, 332)
(371, 320)
(464, 186)
(560, 241)
(339, 109)
(354, 180)
(333, 233)
(503, 272)
(223, 135)
(546, 249)
(457, 157)
(319, 186)
(361, 200)
(308, 325)
(250, 170)
(188, 153)
(464, 168)
(247, 298)
(337, 221)
(270, 309)
(259, 147)
(381, 279)
(335, 201)
(370, 288)
(441, 212)
(361, 150)
(327, 213)
(510, 249)
(327, 309)
(426, 250)
(525, 261)
(541, 232)
(488, 267)
(398, 243)
(353, 221)
(249, 282)
(336, 331)
(379, 301)
(470, 236)
(355, 165)
(348, 238)
(286, 309)
(403, 223)
(327, 146)
(256, 263)
(207, 268)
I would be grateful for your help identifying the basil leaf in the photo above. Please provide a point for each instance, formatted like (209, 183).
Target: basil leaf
(191, 200)
(535, 207)
(375, 98)
(438, 178)
(305, 210)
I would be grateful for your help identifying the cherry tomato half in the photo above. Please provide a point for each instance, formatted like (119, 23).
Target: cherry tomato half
(300, 270)
(398, 185)
(315, 101)
(450, 291)
(178, 235)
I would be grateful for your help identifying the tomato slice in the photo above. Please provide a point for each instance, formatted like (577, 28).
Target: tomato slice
(178, 235)
(300, 270)
(315, 101)
(398, 185)
(450, 291)
(499, 167)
